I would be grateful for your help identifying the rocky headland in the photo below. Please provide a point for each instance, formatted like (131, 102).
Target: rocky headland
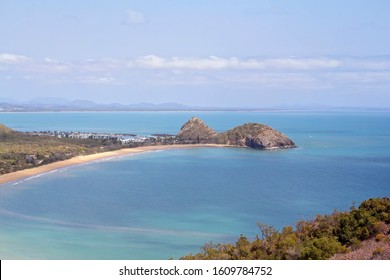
(251, 135)
(196, 131)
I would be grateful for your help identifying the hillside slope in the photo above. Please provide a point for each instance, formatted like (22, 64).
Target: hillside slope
(362, 233)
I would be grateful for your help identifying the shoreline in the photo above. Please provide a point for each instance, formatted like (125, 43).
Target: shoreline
(25, 173)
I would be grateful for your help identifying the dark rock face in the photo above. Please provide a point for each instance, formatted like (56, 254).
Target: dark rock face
(196, 131)
(252, 135)
(258, 136)
(268, 139)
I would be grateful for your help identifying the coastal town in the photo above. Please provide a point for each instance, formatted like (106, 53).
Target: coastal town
(122, 138)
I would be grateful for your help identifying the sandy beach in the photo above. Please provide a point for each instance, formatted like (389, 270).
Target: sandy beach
(14, 176)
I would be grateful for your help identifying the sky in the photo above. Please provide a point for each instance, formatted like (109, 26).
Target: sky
(241, 53)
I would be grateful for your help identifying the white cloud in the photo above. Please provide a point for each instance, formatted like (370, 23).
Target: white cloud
(373, 64)
(101, 65)
(278, 80)
(48, 66)
(265, 72)
(216, 63)
(302, 63)
(133, 17)
(210, 63)
(98, 80)
(9, 58)
(358, 78)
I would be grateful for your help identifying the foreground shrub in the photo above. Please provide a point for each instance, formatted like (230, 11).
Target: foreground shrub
(317, 239)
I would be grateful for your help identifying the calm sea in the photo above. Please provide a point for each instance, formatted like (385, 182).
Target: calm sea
(169, 203)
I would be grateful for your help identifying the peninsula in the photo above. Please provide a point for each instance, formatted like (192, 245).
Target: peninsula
(25, 154)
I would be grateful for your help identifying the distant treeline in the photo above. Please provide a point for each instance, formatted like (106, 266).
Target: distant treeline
(317, 239)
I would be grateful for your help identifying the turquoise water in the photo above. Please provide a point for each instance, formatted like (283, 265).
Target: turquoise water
(169, 203)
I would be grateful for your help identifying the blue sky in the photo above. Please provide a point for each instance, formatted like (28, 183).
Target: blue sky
(210, 53)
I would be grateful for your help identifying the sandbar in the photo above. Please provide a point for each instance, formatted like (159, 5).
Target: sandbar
(25, 173)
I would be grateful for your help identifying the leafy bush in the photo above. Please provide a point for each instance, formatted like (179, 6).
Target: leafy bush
(364, 222)
(317, 239)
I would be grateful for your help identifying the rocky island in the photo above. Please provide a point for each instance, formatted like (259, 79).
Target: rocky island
(251, 135)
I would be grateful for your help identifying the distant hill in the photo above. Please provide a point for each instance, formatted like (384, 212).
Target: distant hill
(44, 104)
(58, 104)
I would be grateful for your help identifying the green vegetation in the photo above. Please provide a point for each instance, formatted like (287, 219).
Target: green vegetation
(316, 239)
(21, 150)
(237, 134)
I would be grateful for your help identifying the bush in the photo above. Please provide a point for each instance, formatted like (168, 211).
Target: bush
(377, 254)
(317, 239)
(322, 248)
(364, 222)
(379, 237)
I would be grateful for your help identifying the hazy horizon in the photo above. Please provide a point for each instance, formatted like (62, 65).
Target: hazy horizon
(209, 54)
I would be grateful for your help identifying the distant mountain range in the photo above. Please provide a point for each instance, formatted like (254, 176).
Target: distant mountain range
(49, 104)
(60, 104)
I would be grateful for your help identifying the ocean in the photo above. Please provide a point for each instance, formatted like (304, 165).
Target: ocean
(166, 204)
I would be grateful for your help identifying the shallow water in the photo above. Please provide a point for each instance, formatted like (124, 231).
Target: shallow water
(169, 203)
